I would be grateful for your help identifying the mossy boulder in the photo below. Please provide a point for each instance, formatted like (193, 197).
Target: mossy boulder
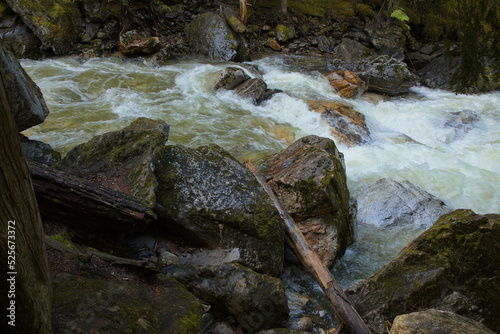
(213, 199)
(95, 305)
(123, 160)
(285, 32)
(309, 178)
(453, 266)
(255, 301)
(57, 23)
(26, 99)
(210, 35)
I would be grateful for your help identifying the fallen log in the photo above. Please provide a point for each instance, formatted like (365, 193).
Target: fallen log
(85, 204)
(310, 260)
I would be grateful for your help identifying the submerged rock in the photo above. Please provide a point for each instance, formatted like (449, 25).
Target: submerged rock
(123, 160)
(256, 301)
(94, 305)
(57, 23)
(213, 200)
(387, 203)
(383, 74)
(310, 181)
(25, 98)
(433, 322)
(346, 124)
(453, 266)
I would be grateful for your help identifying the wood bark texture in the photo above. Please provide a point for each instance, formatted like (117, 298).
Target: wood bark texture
(310, 260)
(21, 237)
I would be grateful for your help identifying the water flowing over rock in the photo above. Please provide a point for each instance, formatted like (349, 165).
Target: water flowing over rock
(133, 43)
(434, 321)
(230, 78)
(26, 99)
(124, 160)
(256, 301)
(209, 34)
(347, 84)
(383, 74)
(94, 305)
(387, 203)
(346, 124)
(453, 266)
(56, 23)
(252, 89)
(310, 181)
(215, 201)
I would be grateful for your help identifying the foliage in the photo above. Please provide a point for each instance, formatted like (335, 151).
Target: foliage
(400, 15)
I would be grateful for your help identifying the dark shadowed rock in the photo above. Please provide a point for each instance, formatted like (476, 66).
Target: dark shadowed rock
(38, 151)
(387, 37)
(383, 74)
(435, 322)
(310, 181)
(252, 89)
(256, 301)
(57, 23)
(453, 266)
(123, 160)
(346, 124)
(215, 201)
(387, 203)
(26, 99)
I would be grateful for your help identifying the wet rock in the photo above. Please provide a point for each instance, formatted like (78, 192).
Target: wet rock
(256, 301)
(123, 160)
(133, 43)
(309, 179)
(347, 84)
(346, 124)
(458, 254)
(462, 121)
(38, 151)
(57, 23)
(230, 78)
(387, 203)
(213, 200)
(324, 43)
(434, 321)
(93, 305)
(252, 89)
(438, 73)
(26, 99)
(383, 74)
(209, 35)
(387, 37)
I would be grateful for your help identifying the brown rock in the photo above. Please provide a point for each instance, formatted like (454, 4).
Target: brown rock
(347, 84)
(347, 124)
(273, 44)
(133, 43)
(252, 89)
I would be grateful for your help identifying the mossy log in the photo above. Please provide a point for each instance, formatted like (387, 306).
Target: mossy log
(312, 263)
(86, 204)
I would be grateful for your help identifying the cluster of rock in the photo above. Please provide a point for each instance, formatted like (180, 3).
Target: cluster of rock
(209, 200)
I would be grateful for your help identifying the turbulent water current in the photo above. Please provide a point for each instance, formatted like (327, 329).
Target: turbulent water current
(447, 144)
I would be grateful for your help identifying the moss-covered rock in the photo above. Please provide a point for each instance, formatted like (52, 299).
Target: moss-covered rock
(217, 202)
(453, 266)
(57, 23)
(285, 32)
(123, 160)
(94, 305)
(309, 179)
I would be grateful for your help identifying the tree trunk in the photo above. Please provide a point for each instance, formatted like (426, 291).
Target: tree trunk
(26, 290)
(284, 7)
(86, 204)
(313, 264)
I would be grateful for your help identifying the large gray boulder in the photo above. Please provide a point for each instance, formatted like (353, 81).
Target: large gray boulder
(453, 266)
(255, 301)
(309, 179)
(213, 200)
(383, 74)
(26, 99)
(388, 203)
(210, 35)
(433, 321)
(57, 23)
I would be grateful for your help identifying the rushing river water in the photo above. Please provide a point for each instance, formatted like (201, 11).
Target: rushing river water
(415, 138)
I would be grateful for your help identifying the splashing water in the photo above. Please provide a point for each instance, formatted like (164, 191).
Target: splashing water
(422, 138)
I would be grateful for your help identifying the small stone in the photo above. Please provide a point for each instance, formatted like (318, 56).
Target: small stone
(167, 258)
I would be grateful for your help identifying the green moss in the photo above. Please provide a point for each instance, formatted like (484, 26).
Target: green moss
(63, 239)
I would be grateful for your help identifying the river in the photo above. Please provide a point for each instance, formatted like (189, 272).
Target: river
(415, 138)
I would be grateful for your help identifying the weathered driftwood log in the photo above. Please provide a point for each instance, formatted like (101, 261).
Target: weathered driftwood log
(85, 204)
(310, 260)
